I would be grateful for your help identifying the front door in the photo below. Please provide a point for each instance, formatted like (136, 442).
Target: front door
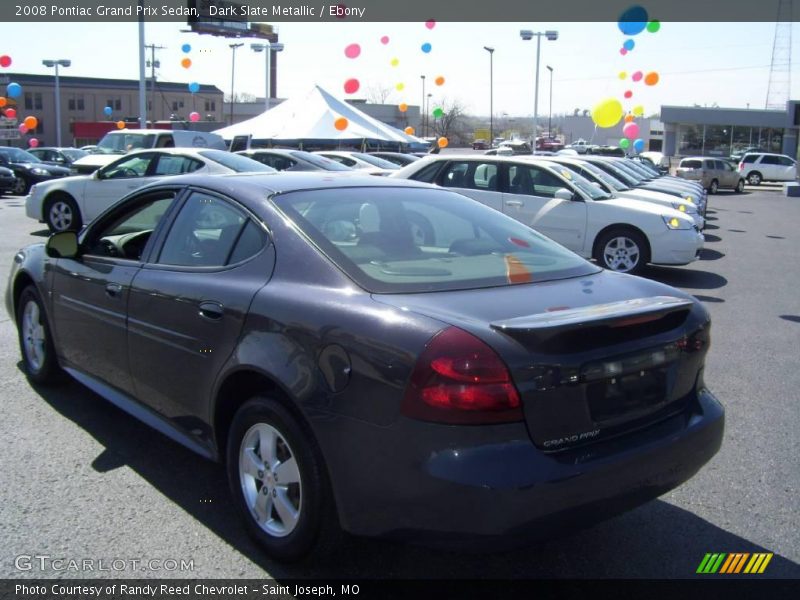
(114, 181)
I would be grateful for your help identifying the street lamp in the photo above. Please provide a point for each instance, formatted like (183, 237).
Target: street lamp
(233, 47)
(527, 35)
(56, 63)
(491, 94)
(422, 125)
(428, 114)
(268, 49)
(550, 112)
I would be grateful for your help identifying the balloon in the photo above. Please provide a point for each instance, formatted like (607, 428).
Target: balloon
(107, 111)
(31, 122)
(385, 40)
(5, 61)
(351, 86)
(633, 20)
(622, 75)
(400, 87)
(22, 129)
(395, 62)
(33, 142)
(403, 107)
(628, 94)
(438, 113)
(120, 124)
(340, 123)
(623, 51)
(629, 118)
(653, 26)
(409, 130)
(186, 48)
(607, 113)
(630, 130)
(426, 47)
(194, 116)
(624, 143)
(651, 78)
(194, 87)
(442, 142)
(13, 90)
(638, 145)
(352, 51)
(638, 110)
(3, 101)
(628, 45)
(430, 23)
(637, 76)
(11, 113)
(439, 80)
(186, 63)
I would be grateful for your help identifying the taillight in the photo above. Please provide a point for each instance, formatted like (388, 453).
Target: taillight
(459, 379)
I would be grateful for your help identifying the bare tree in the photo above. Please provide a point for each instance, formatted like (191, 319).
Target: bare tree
(451, 124)
(379, 94)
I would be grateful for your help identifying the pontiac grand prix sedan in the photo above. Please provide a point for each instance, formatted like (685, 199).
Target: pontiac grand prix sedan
(483, 385)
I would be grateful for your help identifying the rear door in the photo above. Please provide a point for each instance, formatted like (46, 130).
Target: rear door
(478, 179)
(728, 176)
(769, 167)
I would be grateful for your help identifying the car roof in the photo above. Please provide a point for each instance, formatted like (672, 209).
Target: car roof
(192, 151)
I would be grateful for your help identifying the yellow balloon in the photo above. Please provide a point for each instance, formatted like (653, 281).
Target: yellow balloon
(400, 87)
(638, 110)
(622, 75)
(395, 62)
(607, 113)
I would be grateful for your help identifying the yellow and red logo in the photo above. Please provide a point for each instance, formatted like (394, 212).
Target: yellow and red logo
(734, 563)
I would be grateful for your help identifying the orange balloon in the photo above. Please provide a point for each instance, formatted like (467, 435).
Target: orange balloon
(409, 130)
(628, 118)
(651, 78)
(340, 123)
(186, 63)
(442, 142)
(31, 122)
(439, 80)
(3, 101)
(120, 124)
(403, 107)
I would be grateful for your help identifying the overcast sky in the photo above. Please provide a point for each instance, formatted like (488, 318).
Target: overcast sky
(698, 63)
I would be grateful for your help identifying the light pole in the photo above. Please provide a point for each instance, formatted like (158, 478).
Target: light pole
(550, 111)
(491, 95)
(428, 113)
(233, 47)
(56, 63)
(527, 35)
(268, 49)
(422, 125)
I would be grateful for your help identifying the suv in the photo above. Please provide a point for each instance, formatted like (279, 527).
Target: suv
(711, 173)
(758, 167)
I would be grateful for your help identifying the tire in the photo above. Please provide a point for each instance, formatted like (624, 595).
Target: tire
(289, 518)
(754, 178)
(21, 186)
(36, 341)
(623, 250)
(61, 214)
(714, 187)
(740, 186)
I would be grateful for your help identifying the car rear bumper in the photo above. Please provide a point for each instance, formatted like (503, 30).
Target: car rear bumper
(450, 486)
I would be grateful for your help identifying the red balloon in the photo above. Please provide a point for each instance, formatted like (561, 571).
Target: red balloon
(628, 94)
(5, 60)
(351, 86)
(11, 113)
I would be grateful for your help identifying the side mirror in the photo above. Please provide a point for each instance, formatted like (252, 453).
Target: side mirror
(63, 244)
(563, 194)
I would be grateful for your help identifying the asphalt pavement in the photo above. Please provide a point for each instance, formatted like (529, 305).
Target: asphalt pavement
(83, 480)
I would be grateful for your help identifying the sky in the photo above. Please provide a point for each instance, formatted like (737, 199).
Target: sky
(726, 64)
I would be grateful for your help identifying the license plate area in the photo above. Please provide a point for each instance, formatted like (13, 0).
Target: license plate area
(627, 395)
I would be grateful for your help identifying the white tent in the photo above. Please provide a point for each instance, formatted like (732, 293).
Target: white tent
(311, 117)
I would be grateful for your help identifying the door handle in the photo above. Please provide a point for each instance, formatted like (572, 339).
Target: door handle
(211, 311)
(113, 290)
(517, 203)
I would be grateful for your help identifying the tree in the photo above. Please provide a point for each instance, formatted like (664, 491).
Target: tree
(378, 94)
(451, 123)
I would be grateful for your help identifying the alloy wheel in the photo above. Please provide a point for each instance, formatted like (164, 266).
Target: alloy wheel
(60, 216)
(33, 336)
(621, 254)
(20, 186)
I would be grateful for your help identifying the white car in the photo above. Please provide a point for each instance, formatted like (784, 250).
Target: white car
(762, 166)
(361, 161)
(68, 203)
(620, 233)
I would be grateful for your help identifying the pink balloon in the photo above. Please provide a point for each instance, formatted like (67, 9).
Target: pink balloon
(23, 129)
(194, 116)
(623, 51)
(33, 142)
(628, 94)
(430, 23)
(385, 40)
(637, 76)
(352, 51)
(630, 130)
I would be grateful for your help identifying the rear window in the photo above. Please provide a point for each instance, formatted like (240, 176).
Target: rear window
(750, 158)
(691, 164)
(400, 240)
(236, 162)
(320, 161)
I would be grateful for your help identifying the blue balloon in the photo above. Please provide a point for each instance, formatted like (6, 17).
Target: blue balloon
(628, 45)
(633, 20)
(638, 145)
(186, 48)
(13, 90)
(107, 111)
(194, 87)
(426, 47)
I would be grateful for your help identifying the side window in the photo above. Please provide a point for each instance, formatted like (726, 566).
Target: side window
(281, 163)
(785, 161)
(719, 165)
(455, 175)
(533, 181)
(173, 164)
(485, 177)
(427, 174)
(750, 158)
(134, 166)
(203, 234)
(769, 160)
(250, 243)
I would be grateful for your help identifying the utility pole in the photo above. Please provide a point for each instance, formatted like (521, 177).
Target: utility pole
(153, 64)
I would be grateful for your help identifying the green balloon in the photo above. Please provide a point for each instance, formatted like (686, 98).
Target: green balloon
(438, 113)
(624, 143)
(653, 26)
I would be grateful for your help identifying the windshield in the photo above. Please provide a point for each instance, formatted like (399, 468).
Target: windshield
(611, 181)
(374, 160)
(623, 168)
(404, 239)
(15, 155)
(635, 168)
(590, 175)
(616, 173)
(236, 162)
(120, 142)
(587, 187)
(320, 161)
(74, 153)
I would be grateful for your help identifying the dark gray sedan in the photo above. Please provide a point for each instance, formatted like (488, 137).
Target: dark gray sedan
(482, 383)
